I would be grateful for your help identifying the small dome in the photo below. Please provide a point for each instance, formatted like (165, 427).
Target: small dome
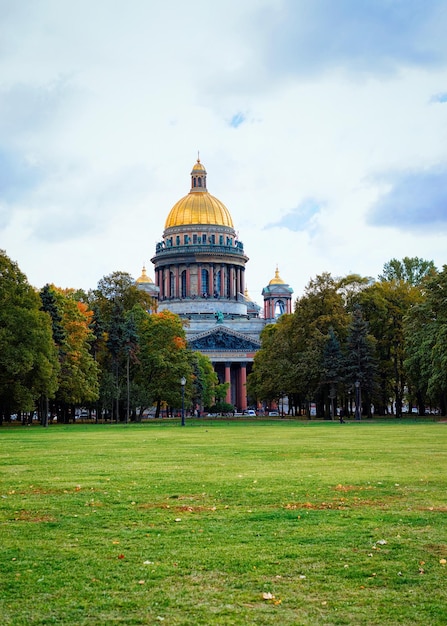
(277, 280)
(198, 167)
(144, 278)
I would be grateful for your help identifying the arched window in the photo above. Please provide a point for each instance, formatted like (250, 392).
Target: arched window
(280, 308)
(205, 283)
(218, 282)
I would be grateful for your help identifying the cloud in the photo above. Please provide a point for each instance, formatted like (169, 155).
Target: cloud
(416, 201)
(17, 176)
(301, 218)
(27, 108)
(372, 36)
(57, 226)
(86, 204)
(439, 97)
(293, 105)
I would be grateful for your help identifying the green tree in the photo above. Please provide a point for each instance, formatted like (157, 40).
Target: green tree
(270, 376)
(321, 308)
(411, 270)
(204, 382)
(385, 305)
(426, 341)
(78, 373)
(163, 358)
(28, 357)
(292, 352)
(360, 368)
(332, 368)
(112, 301)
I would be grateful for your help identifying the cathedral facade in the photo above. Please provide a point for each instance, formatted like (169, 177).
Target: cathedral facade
(199, 270)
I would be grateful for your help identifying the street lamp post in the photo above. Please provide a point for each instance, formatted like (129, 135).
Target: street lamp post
(183, 383)
(358, 410)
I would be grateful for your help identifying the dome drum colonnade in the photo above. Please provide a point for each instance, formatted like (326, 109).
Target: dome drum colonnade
(200, 275)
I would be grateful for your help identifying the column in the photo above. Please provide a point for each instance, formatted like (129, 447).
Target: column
(223, 280)
(228, 380)
(162, 283)
(177, 281)
(199, 280)
(242, 395)
(188, 283)
(166, 282)
(211, 280)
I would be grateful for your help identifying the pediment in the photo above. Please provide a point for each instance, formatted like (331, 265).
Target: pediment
(223, 338)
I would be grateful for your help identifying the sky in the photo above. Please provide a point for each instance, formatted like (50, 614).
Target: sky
(322, 125)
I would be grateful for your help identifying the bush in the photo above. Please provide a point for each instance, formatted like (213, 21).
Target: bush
(221, 408)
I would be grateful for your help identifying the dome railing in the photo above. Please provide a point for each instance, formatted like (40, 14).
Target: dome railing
(161, 248)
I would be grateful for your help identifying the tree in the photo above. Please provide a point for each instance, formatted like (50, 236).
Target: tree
(270, 376)
(410, 270)
(385, 305)
(420, 334)
(28, 357)
(204, 381)
(112, 301)
(332, 368)
(163, 357)
(360, 369)
(426, 341)
(78, 373)
(321, 309)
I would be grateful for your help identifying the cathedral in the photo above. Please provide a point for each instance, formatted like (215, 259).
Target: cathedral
(200, 275)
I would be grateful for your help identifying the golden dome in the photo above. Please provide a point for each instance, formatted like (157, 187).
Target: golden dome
(199, 206)
(277, 280)
(247, 295)
(198, 167)
(144, 278)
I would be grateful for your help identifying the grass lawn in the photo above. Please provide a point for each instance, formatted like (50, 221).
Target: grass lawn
(224, 523)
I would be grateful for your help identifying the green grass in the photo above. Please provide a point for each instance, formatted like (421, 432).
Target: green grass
(224, 523)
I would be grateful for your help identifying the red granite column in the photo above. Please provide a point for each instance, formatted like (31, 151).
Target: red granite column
(228, 380)
(242, 399)
(223, 280)
(231, 282)
(188, 283)
(211, 280)
(177, 282)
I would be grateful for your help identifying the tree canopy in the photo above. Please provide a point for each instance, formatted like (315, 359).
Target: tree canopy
(111, 351)
(28, 356)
